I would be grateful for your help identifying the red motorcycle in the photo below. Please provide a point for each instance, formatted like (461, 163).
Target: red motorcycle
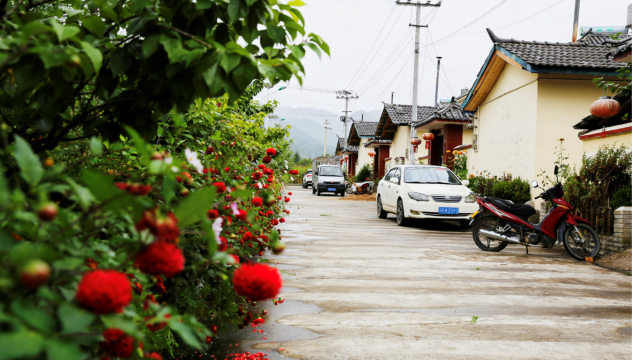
(506, 223)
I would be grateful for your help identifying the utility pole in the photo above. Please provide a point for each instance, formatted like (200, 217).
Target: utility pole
(413, 109)
(576, 21)
(325, 147)
(346, 95)
(437, 88)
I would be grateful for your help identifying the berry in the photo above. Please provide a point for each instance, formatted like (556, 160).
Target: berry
(184, 192)
(47, 212)
(34, 274)
(157, 156)
(74, 60)
(49, 162)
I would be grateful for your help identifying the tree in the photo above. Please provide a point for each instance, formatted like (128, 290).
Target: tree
(74, 69)
(297, 157)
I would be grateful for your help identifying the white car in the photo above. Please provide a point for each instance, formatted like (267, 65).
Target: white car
(307, 179)
(425, 192)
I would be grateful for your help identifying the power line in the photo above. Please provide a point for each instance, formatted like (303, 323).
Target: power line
(527, 18)
(374, 42)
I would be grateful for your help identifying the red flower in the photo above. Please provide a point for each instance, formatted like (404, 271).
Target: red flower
(160, 285)
(265, 186)
(275, 222)
(224, 245)
(228, 220)
(257, 201)
(243, 215)
(117, 343)
(163, 227)
(262, 166)
(149, 298)
(212, 214)
(270, 179)
(287, 199)
(209, 150)
(269, 213)
(209, 339)
(267, 159)
(160, 258)
(257, 281)
(153, 356)
(236, 258)
(104, 291)
(227, 169)
(268, 171)
(271, 151)
(256, 176)
(290, 193)
(186, 177)
(220, 187)
(282, 220)
(158, 325)
(134, 189)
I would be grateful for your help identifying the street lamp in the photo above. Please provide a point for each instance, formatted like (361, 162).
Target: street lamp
(268, 87)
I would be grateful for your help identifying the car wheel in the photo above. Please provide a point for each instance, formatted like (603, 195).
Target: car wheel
(380, 210)
(313, 189)
(342, 194)
(401, 218)
(318, 192)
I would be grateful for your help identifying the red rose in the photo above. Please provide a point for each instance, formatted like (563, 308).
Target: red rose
(157, 325)
(257, 282)
(256, 176)
(282, 220)
(117, 343)
(220, 187)
(163, 227)
(153, 356)
(209, 150)
(227, 169)
(265, 186)
(267, 159)
(104, 291)
(262, 166)
(243, 215)
(271, 151)
(160, 257)
(186, 177)
(270, 179)
(269, 213)
(149, 299)
(212, 214)
(275, 222)
(268, 171)
(257, 201)
(290, 193)
(287, 199)
(224, 245)
(236, 258)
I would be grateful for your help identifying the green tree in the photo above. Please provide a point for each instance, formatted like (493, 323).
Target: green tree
(297, 157)
(73, 69)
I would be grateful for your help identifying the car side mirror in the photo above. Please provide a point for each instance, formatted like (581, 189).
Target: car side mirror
(534, 184)
(465, 182)
(555, 171)
(395, 180)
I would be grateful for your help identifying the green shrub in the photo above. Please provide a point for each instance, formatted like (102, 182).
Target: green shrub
(516, 190)
(364, 173)
(621, 197)
(482, 184)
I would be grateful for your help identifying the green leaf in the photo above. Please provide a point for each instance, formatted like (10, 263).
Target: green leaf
(20, 345)
(233, 10)
(168, 189)
(276, 33)
(36, 318)
(95, 146)
(296, 3)
(67, 263)
(150, 45)
(64, 32)
(116, 321)
(94, 24)
(139, 145)
(93, 54)
(31, 168)
(61, 350)
(194, 208)
(83, 195)
(203, 4)
(4, 188)
(74, 319)
(315, 48)
(186, 334)
(108, 13)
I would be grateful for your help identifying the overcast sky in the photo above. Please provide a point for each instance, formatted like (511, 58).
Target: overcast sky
(353, 27)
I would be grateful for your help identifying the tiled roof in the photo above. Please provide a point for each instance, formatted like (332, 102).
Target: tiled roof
(350, 148)
(341, 143)
(452, 111)
(376, 141)
(620, 47)
(365, 128)
(588, 52)
(402, 114)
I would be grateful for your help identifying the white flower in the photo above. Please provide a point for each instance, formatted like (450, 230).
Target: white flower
(168, 160)
(217, 229)
(292, 178)
(286, 166)
(192, 158)
(235, 208)
(175, 169)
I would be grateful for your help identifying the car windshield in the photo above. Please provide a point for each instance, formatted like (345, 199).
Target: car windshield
(430, 176)
(330, 171)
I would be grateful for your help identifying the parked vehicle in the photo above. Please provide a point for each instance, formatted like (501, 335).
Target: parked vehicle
(328, 178)
(424, 192)
(506, 223)
(307, 179)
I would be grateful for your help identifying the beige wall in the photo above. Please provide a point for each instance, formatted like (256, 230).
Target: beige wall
(401, 141)
(421, 149)
(591, 146)
(507, 126)
(363, 155)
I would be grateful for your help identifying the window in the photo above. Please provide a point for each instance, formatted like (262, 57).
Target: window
(390, 174)
(330, 171)
(419, 175)
(397, 175)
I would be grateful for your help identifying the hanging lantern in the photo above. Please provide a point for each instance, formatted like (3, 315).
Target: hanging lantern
(415, 141)
(605, 107)
(415, 147)
(428, 136)
(371, 153)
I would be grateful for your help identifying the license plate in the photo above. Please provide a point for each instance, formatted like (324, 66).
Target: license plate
(449, 210)
(331, 189)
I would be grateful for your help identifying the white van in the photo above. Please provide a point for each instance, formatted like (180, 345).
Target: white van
(328, 178)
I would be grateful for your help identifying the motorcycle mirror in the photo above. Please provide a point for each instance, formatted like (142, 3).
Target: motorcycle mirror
(555, 171)
(534, 184)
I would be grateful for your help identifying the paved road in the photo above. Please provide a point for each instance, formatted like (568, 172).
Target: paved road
(373, 290)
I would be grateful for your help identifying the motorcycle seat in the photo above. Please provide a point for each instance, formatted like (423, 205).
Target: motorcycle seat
(522, 211)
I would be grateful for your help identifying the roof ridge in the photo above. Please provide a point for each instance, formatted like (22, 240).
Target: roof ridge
(496, 40)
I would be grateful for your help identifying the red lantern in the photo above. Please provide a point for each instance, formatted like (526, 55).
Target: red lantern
(415, 141)
(428, 136)
(371, 153)
(605, 107)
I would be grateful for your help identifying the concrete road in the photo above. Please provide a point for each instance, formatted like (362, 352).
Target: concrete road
(375, 290)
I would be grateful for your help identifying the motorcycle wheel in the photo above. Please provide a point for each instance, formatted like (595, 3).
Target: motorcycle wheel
(487, 223)
(581, 248)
